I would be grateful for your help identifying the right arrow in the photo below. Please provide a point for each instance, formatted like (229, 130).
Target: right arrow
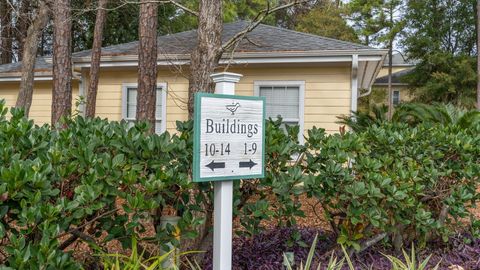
(215, 165)
(246, 164)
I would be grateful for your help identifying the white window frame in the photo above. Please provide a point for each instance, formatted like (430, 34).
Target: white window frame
(393, 94)
(301, 100)
(163, 86)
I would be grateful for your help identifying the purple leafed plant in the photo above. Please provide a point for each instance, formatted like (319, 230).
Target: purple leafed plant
(265, 252)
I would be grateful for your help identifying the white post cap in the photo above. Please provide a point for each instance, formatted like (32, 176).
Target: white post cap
(226, 77)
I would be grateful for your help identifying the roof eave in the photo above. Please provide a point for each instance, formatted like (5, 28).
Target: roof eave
(245, 57)
(38, 76)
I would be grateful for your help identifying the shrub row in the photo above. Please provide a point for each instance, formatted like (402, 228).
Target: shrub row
(93, 177)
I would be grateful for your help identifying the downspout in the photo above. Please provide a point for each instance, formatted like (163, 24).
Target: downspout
(81, 94)
(354, 84)
(366, 93)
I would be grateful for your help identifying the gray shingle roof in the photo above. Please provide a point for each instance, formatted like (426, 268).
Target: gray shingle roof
(264, 38)
(396, 77)
(40, 65)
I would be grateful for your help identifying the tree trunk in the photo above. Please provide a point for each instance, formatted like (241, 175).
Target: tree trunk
(205, 57)
(23, 25)
(390, 92)
(478, 55)
(390, 63)
(147, 63)
(6, 32)
(24, 99)
(95, 63)
(62, 61)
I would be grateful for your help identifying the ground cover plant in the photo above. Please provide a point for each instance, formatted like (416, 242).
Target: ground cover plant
(265, 251)
(100, 182)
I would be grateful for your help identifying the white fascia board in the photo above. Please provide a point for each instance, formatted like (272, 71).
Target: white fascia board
(18, 78)
(399, 65)
(394, 84)
(244, 58)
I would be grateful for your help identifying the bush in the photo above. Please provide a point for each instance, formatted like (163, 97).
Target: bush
(90, 178)
(97, 178)
(394, 181)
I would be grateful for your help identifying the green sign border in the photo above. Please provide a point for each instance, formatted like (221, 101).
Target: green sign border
(196, 139)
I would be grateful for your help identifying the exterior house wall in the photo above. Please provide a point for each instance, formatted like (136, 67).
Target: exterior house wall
(384, 70)
(405, 95)
(327, 92)
(41, 108)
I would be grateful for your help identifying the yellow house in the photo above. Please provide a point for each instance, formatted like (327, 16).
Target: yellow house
(400, 68)
(308, 80)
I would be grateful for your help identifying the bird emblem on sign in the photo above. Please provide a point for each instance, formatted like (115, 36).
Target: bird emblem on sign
(233, 107)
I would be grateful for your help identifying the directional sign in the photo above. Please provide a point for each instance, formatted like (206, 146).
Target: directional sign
(229, 137)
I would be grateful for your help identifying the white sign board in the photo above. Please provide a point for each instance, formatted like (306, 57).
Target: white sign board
(229, 137)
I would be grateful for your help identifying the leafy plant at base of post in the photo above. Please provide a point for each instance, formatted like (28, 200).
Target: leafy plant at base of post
(410, 262)
(333, 263)
(136, 261)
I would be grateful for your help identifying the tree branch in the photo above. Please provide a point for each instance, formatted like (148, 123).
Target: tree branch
(173, 2)
(372, 241)
(256, 21)
(184, 8)
(88, 222)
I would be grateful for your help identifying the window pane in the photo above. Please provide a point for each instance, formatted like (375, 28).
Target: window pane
(281, 101)
(131, 102)
(396, 97)
(132, 106)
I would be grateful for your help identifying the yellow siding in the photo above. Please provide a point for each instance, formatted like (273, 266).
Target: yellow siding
(327, 92)
(405, 95)
(384, 70)
(40, 111)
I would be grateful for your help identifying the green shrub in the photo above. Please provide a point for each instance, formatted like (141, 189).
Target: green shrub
(95, 177)
(393, 181)
(276, 197)
(90, 178)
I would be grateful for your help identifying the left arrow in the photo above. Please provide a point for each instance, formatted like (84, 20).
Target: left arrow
(215, 165)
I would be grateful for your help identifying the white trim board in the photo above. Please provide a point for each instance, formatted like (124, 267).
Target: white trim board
(240, 60)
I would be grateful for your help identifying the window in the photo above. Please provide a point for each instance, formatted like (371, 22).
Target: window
(396, 97)
(284, 99)
(130, 105)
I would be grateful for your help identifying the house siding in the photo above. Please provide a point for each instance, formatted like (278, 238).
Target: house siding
(41, 108)
(327, 92)
(384, 70)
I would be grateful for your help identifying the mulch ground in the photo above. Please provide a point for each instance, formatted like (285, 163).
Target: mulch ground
(313, 220)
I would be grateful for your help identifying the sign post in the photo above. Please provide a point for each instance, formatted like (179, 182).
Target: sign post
(229, 136)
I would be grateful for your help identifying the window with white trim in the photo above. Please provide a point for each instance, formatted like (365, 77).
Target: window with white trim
(396, 97)
(283, 99)
(130, 106)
